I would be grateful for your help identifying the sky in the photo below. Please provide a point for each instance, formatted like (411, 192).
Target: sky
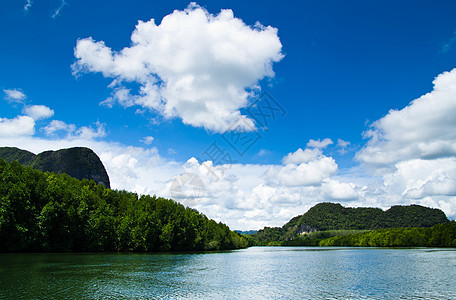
(251, 112)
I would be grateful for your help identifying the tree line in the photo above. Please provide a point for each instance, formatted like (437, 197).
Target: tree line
(441, 235)
(43, 211)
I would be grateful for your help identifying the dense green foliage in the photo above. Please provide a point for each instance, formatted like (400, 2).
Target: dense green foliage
(78, 162)
(314, 238)
(442, 235)
(48, 212)
(330, 217)
(269, 236)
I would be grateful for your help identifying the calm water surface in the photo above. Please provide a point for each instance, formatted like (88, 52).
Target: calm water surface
(254, 273)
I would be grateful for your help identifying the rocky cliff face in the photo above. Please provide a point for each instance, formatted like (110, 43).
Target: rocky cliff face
(78, 162)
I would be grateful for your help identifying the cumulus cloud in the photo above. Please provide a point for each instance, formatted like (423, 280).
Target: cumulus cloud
(413, 150)
(303, 168)
(269, 195)
(339, 191)
(194, 65)
(14, 95)
(303, 174)
(302, 156)
(57, 127)
(320, 144)
(19, 126)
(426, 182)
(420, 178)
(242, 195)
(425, 129)
(38, 112)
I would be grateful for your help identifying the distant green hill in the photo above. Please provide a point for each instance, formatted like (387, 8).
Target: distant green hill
(334, 217)
(78, 162)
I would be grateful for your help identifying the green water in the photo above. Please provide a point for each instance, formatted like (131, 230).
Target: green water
(254, 273)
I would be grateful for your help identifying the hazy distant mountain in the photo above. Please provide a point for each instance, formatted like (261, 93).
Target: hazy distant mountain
(78, 162)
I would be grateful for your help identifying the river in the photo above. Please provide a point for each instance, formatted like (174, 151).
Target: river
(253, 273)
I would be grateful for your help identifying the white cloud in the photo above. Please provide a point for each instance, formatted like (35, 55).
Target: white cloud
(320, 144)
(424, 129)
(241, 196)
(426, 182)
(302, 156)
(14, 95)
(339, 191)
(19, 126)
(59, 126)
(72, 132)
(38, 112)
(303, 168)
(88, 132)
(120, 95)
(147, 140)
(342, 145)
(303, 174)
(195, 66)
(418, 178)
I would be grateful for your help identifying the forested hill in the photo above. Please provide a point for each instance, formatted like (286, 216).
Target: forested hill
(330, 216)
(42, 211)
(78, 162)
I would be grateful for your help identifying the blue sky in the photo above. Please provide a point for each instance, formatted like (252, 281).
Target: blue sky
(343, 73)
